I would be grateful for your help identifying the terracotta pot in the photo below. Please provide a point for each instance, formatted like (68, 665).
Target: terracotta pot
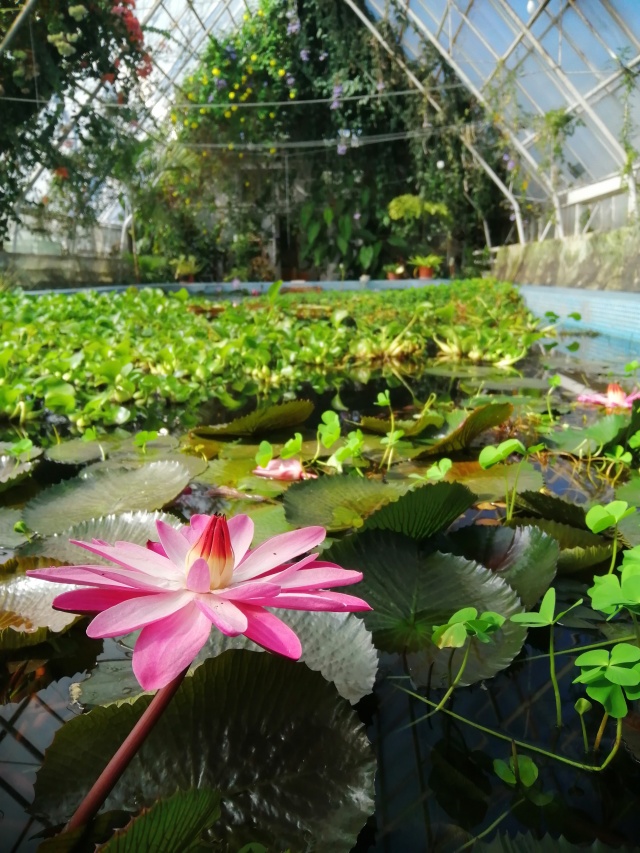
(392, 276)
(425, 272)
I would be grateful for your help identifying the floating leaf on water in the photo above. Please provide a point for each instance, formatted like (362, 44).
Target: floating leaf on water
(411, 592)
(9, 538)
(477, 422)
(529, 843)
(137, 527)
(172, 825)
(424, 511)
(13, 469)
(268, 519)
(339, 502)
(552, 507)
(590, 439)
(26, 613)
(113, 491)
(77, 451)
(490, 484)
(263, 420)
(579, 549)
(410, 427)
(312, 787)
(524, 557)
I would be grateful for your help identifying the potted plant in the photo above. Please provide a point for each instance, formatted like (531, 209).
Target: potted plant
(426, 265)
(186, 267)
(393, 271)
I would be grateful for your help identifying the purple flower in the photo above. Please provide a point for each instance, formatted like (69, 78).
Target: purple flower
(506, 157)
(511, 165)
(290, 79)
(293, 28)
(380, 85)
(304, 55)
(341, 149)
(220, 83)
(335, 105)
(337, 90)
(323, 56)
(290, 13)
(357, 215)
(210, 98)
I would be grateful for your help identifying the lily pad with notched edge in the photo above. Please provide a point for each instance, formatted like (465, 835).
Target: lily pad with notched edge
(410, 427)
(339, 502)
(16, 467)
(263, 420)
(412, 591)
(91, 495)
(579, 549)
(9, 517)
(477, 422)
(524, 557)
(491, 484)
(288, 755)
(137, 527)
(551, 507)
(338, 645)
(77, 451)
(528, 843)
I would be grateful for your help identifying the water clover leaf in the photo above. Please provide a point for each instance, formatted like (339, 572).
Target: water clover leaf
(524, 772)
(466, 623)
(608, 676)
(383, 398)
(329, 429)
(493, 454)
(142, 438)
(264, 454)
(601, 517)
(292, 447)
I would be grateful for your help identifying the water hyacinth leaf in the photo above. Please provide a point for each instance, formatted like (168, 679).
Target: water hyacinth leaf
(267, 419)
(477, 422)
(337, 645)
(411, 592)
(171, 825)
(9, 537)
(524, 557)
(92, 495)
(410, 427)
(423, 511)
(491, 483)
(339, 502)
(579, 549)
(136, 527)
(315, 790)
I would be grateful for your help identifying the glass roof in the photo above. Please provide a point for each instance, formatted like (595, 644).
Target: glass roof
(527, 58)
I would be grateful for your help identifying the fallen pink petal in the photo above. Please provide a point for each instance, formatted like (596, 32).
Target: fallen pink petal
(284, 469)
(200, 576)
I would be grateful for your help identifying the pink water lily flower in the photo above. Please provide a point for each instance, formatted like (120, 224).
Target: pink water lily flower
(284, 469)
(201, 575)
(615, 398)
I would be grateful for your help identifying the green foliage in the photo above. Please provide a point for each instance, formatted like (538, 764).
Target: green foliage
(611, 677)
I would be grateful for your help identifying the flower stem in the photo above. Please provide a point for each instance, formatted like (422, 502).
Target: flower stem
(615, 549)
(554, 679)
(451, 688)
(585, 740)
(104, 784)
(596, 744)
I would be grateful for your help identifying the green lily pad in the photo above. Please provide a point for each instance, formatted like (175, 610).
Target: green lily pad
(13, 469)
(551, 507)
(423, 511)
(26, 613)
(226, 727)
(528, 843)
(195, 465)
(410, 427)
(137, 527)
(411, 592)
(477, 422)
(339, 502)
(268, 518)
(9, 517)
(76, 451)
(338, 645)
(579, 549)
(93, 494)
(524, 557)
(490, 484)
(590, 439)
(263, 420)
(172, 825)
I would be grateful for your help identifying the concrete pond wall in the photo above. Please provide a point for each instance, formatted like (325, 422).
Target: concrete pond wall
(598, 261)
(35, 272)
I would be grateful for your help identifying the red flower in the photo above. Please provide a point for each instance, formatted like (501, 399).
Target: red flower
(61, 172)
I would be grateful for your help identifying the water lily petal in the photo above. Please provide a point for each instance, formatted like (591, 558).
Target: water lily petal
(197, 524)
(241, 529)
(134, 557)
(247, 591)
(198, 579)
(271, 633)
(224, 614)
(174, 543)
(90, 600)
(166, 647)
(332, 601)
(136, 613)
(278, 550)
(318, 577)
(81, 575)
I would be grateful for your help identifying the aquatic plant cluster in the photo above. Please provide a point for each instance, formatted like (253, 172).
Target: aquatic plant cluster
(110, 359)
(493, 540)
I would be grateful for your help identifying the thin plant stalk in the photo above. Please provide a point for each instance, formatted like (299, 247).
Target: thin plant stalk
(596, 743)
(553, 677)
(615, 549)
(107, 780)
(585, 739)
(578, 764)
(450, 689)
(490, 828)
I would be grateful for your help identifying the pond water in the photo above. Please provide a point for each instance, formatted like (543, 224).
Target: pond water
(436, 787)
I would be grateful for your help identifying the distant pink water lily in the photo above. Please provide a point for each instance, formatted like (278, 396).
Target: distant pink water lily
(615, 398)
(284, 469)
(201, 575)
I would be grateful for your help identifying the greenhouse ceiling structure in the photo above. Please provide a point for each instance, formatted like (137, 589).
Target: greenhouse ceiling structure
(557, 77)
